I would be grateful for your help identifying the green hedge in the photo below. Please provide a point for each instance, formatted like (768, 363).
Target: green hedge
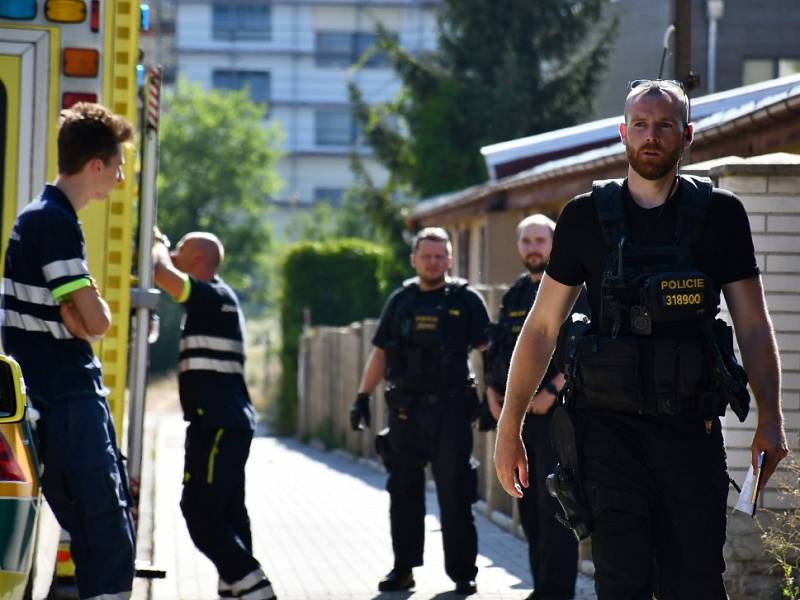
(339, 281)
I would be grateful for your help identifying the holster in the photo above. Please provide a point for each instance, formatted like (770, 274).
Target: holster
(382, 448)
(486, 421)
(730, 378)
(472, 399)
(564, 483)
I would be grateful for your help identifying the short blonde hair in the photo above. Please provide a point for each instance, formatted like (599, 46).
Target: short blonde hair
(433, 234)
(537, 219)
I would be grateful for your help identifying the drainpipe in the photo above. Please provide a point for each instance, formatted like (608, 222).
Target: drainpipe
(715, 9)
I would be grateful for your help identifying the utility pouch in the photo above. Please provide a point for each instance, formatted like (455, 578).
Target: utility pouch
(399, 402)
(677, 373)
(609, 373)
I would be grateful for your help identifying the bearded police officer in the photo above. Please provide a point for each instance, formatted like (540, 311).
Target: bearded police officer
(656, 369)
(425, 332)
(552, 549)
(215, 401)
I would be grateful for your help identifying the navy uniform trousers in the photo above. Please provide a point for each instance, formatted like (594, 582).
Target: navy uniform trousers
(86, 485)
(213, 498)
(658, 488)
(439, 433)
(552, 548)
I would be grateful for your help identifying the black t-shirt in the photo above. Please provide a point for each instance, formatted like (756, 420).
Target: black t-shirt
(467, 320)
(211, 381)
(725, 251)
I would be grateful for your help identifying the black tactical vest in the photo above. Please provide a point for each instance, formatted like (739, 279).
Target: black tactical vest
(503, 335)
(428, 352)
(656, 318)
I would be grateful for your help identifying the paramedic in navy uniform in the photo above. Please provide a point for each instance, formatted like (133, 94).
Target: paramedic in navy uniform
(51, 312)
(216, 403)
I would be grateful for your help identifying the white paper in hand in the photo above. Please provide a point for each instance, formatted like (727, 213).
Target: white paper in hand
(745, 501)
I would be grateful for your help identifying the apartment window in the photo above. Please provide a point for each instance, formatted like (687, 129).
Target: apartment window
(257, 82)
(342, 49)
(788, 66)
(332, 196)
(334, 127)
(242, 21)
(762, 69)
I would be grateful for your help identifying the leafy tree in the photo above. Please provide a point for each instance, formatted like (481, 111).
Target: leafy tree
(504, 69)
(216, 170)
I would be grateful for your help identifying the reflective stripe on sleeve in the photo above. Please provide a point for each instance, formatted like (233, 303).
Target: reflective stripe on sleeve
(68, 288)
(65, 268)
(210, 342)
(187, 289)
(12, 318)
(198, 363)
(28, 293)
(117, 596)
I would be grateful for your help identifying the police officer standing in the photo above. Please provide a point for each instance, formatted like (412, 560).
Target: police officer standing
(215, 401)
(420, 347)
(655, 371)
(51, 313)
(552, 549)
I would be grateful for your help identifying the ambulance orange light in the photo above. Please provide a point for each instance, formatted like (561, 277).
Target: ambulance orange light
(81, 62)
(65, 11)
(70, 98)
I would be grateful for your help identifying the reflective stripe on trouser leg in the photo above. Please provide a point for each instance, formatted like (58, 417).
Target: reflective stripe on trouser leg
(253, 586)
(120, 596)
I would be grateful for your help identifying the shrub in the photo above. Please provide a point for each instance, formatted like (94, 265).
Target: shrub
(338, 282)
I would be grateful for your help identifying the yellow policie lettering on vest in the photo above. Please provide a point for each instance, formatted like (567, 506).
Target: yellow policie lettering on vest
(454, 311)
(690, 283)
(517, 313)
(425, 322)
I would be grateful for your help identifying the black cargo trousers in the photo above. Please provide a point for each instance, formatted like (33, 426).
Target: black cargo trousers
(432, 429)
(657, 487)
(552, 548)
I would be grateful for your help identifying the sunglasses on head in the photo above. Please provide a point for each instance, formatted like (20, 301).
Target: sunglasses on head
(634, 83)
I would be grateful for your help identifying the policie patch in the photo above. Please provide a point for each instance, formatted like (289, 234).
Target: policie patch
(682, 290)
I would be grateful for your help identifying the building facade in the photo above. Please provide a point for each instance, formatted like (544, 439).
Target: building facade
(296, 57)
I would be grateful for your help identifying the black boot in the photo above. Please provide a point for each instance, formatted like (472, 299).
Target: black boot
(466, 587)
(397, 580)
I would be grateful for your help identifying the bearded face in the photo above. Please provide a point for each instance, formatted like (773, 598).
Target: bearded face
(654, 136)
(534, 244)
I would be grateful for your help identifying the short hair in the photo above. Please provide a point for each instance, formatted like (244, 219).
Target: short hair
(655, 87)
(537, 219)
(89, 131)
(209, 242)
(434, 234)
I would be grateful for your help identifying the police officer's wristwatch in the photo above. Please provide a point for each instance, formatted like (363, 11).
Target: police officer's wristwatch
(549, 387)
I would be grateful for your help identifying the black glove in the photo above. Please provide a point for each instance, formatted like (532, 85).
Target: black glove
(486, 421)
(360, 411)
